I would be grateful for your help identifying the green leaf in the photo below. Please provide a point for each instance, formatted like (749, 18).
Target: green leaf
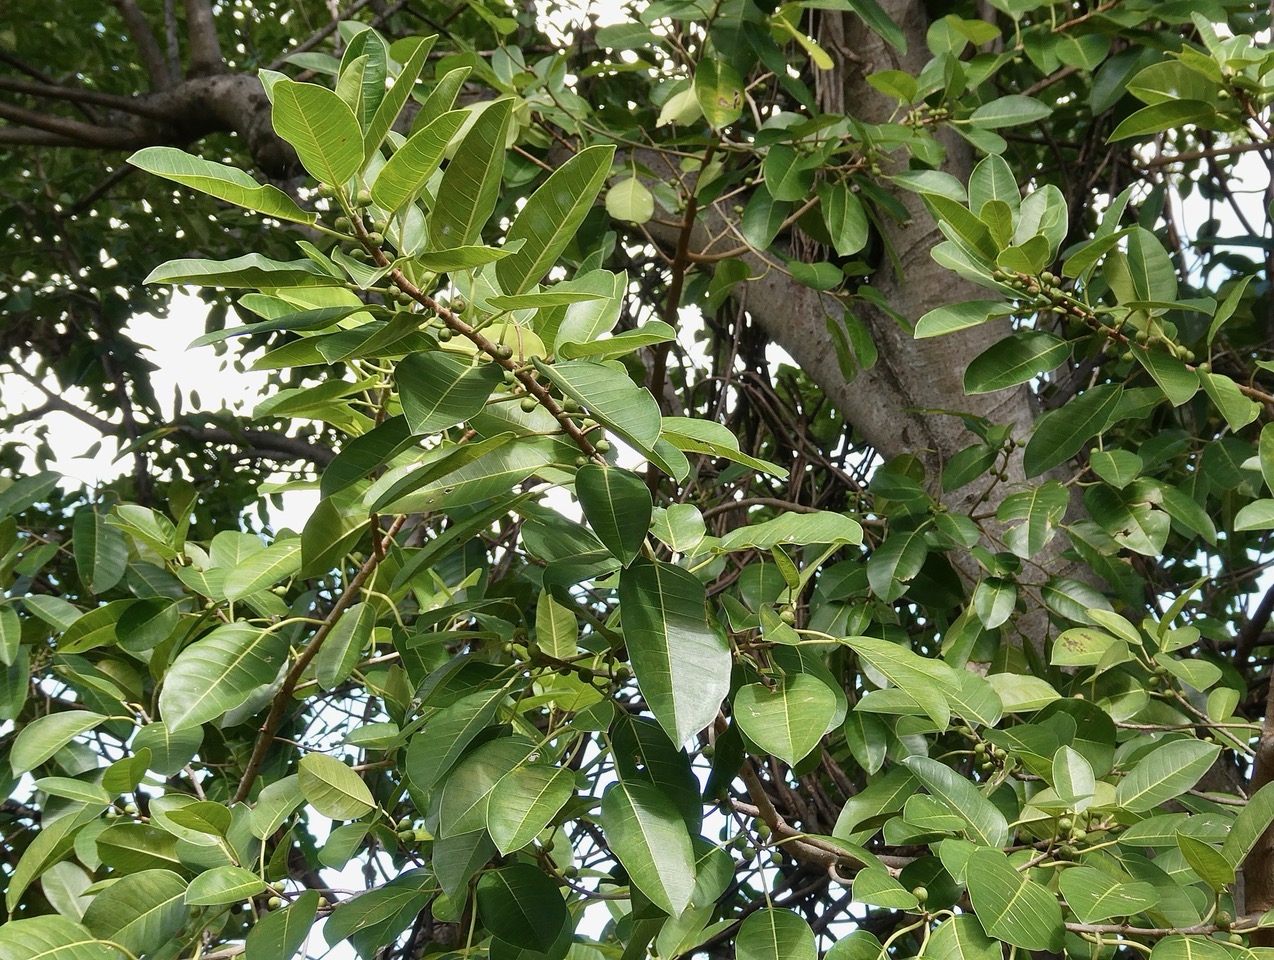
(1010, 111)
(276, 563)
(617, 506)
(718, 88)
(1165, 773)
(141, 912)
(1253, 820)
(551, 217)
(844, 217)
(1081, 647)
(1257, 515)
(802, 529)
(219, 180)
(706, 436)
(322, 128)
(278, 935)
(470, 185)
(959, 316)
(648, 836)
(44, 736)
(682, 665)
(610, 397)
(1009, 906)
(1061, 433)
(274, 805)
(1237, 409)
(451, 730)
(1021, 693)
(218, 673)
(439, 391)
(332, 788)
(344, 645)
(528, 798)
(521, 904)
(1207, 861)
(630, 200)
(224, 884)
(986, 824)
(51, 938)
(1189, 948)
(1073, 779)
(97, 628)
(101, 552)
(874, 886)
(1095, 896)
(925, 681)
(788, 721)
(770, 934)
(960, 938)
(412, 164)
(394, 99)
(251, 270)
(1157, 118)
(381, 914)
(10, 635)
(1017, 358)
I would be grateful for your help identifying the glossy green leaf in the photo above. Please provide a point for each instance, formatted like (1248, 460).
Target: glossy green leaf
(682, 665)
(521, 904)
(51, 938)
(986, 824)
(1017, 358)
(272, 565)
(1010, 111)
(344, 645)
(617, 506)
(221, 885)
(439, 391)
(141, 911)
(551, 216)
(1165, 773)
(959, 316)
(1061, 433)
(630, 200)
(770, 934)
(719, 90)
(648, 836)
(1096, 897)
(44, 736)
(789, 720)
(322, 128)
(280, 934)
(274, 805)
(251, 270)
(332, 788)
(1159, 117)
(219, 180)
(610, 397)
(219, 672)
(704, 436)
(101, 552)
(409, 169)
(794, 528)
(471, 182)
(1011, 907)
(961, 938)
(527, 799)
(394, 99)
(1253, 820)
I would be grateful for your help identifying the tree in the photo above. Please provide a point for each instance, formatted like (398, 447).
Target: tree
(933, 643)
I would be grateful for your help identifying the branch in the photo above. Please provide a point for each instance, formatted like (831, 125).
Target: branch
(83, 133)
(264, 444)
(113, 101)
(1246, 641)
(147, 48)
(283, 698)
(320, 35)
(205, 47)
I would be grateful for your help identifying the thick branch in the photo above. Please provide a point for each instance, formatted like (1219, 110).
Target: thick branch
(152, 57)
(138, 106)
(262, 444)
(205, 47)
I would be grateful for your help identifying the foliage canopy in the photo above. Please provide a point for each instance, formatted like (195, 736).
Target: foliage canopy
(779, 665)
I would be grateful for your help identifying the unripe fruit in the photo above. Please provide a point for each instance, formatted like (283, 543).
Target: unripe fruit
(503, 351)
(322, 902)
(762, 829)
(570, 871)
(342, 224)
(445, 334)
(787, 615)
(326, 190)
(364, 198)
(920, 893)
(1065, 824)
(603, 445)
(528, 404)
(375, 238)
(273, 903)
